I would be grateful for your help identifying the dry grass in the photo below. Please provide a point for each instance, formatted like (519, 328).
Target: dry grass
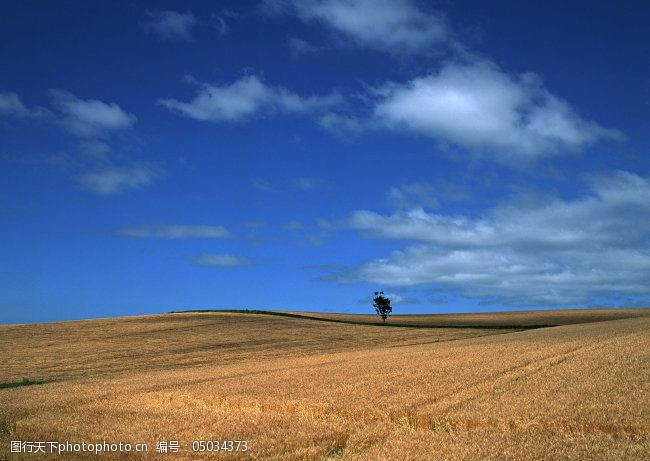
(301, 389)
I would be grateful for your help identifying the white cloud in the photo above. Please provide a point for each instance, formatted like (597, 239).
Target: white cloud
(397, 26)
(345, 126)
(172, 25)
(177, 231)
(112, 180)
(413, 195)
(12, 106)
(307, 184)
(470, 102)
(325, 224)
(300, 47)
(263, 185)
(220, 24)
(557, 252)
(90, 118)
(294, 225)
(478, 106)
(95, 150)
(221, 260)
(247, 98)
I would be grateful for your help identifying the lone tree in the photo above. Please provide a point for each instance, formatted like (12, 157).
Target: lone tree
(382, 305)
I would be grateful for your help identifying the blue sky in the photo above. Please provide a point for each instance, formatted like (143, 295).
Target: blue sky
(460, 156)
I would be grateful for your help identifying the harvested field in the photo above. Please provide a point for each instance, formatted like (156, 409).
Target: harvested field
(539, 318)
(296, 388)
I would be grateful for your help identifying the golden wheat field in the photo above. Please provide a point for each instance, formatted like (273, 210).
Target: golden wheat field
(298, 388)
(492, 319)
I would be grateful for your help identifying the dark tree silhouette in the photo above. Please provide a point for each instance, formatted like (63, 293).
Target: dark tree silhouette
(382, 305)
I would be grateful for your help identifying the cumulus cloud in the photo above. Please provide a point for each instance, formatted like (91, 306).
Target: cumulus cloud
(170, 25)
(90, 118)
(12, 106)
(111, 180)
(555, 252)
(247, 98)
(478, 106)
(221, 260)
(396, 26)
(469, 102)
(177, 232)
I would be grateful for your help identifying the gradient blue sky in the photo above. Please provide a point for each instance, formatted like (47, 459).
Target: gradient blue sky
(459, 155)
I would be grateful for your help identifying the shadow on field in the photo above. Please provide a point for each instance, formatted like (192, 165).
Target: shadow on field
(25, 382)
